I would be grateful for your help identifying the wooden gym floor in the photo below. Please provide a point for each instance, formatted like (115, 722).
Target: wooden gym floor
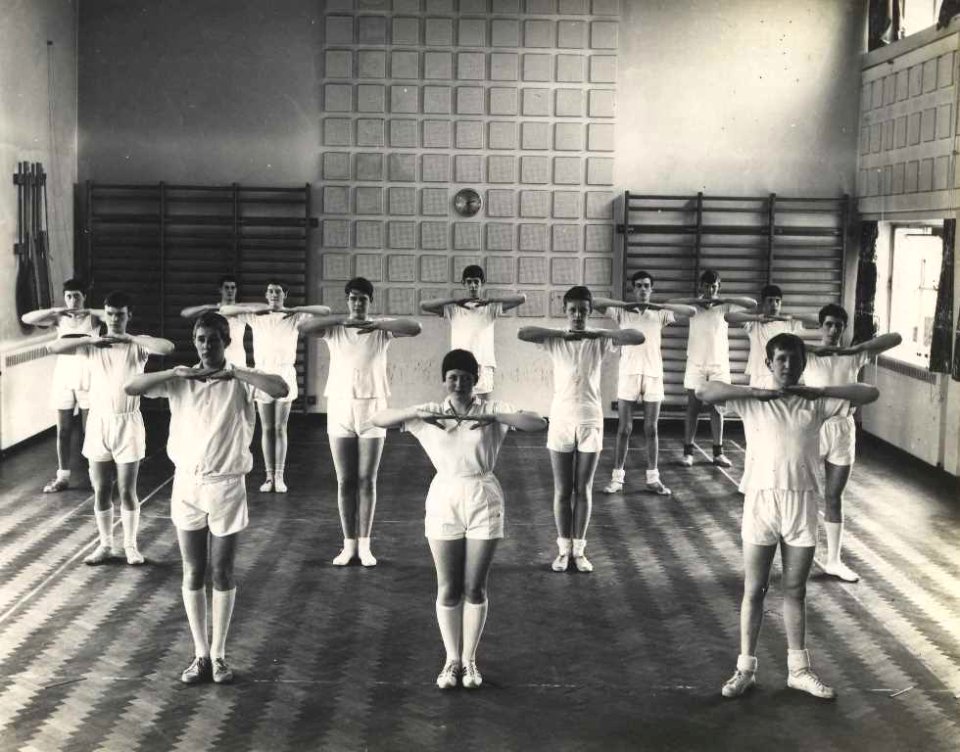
(630, 657)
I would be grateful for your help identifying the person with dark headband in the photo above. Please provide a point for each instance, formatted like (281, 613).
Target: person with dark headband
(357, 388)
(212, 417)
(275, 333)
(115, 436)
(829, 364)
(575, 436)
(238, 325)
(472, 318)
(71, 379)
(464, 517)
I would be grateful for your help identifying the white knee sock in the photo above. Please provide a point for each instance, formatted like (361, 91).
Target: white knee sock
(104, 519)
(564, 545)
(834, 532)
(450, 619)
(130, 519)
(278, 472)
(653, 475)
(474, 617)
(195, 603)
(618, 476)
(747, 663)
(63, 475)
(579, 544)
(223, 601)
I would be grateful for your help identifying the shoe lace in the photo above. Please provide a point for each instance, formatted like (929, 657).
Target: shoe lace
(220, 664)
(808, 675)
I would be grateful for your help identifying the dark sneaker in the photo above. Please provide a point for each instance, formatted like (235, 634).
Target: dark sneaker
(201, 670)
(222, 673)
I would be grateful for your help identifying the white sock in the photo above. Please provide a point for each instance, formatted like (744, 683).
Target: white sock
(104, 519)
(834, 531)
(618, 476)
(747, 663)
(130, 520)
(195, 603)
(223, 601)
(797, 660)
(564, 545)
(363, 551)
(579, 544)
(474, 617)
(63, 475)
(653, 476)
(278, 473)
(348, 552)
(450, 619)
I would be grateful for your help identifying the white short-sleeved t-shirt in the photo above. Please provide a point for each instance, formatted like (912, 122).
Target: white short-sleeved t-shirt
(759, 333)
(783, 440)
(274, 338)
(707, 343)
(358, 363)
(643, 359)
(472, 328)
(834, 370)
(72, 367)
(576, 378)
(235, 352)
(211, 425)
(461, 450)
(111, 368)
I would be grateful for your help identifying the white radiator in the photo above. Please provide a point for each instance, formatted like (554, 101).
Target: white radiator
(26, 374)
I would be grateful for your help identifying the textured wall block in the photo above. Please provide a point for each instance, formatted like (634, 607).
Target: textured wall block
(556, 304)
(536, 102)
(434, 269)
(461, 261)
(406, 30)
(534, 203)
(401, 301)
(504, 33)
(603, 103)
(566, 238)
(567, 137)
(338, 64)
(600, 137)
(537, 67)
(370, 265)
(433, 293)
(402, 268)
(536, 305)
(402, 235)
(942, 172)
(898, 179)
(371, 98)
(502, 135)
(505, 6)
(572, 34)
(564, 271)
(570, 68)
(336, 165)
(468, 168)
(438, 65)
(438, 32)
(944, 121)
(599, 171)
(902, 87)
(436, 100)
(372, 30)
(369, 235)
(606, 7)
(911, 171)
(569, 103)
(402, 168)
(532, 270)
(472, 32)
(470, 66)
(403, 133)
(405, 64)
(500, 270)
(434, 236)
(539, 34)
(370, 132)
(899, 133)
(929, 76)
(567, 170)
(532, 238)
(501, 169)
(535, 135)
(913, 129)
(566, 204)
(597, 271)
(336, 266)
(469, 134)
(603, 35)
(466, 236)
(404, 99)
(534, 169)
(339, 30)
(435, 168)
(336, 6)
(368, 200)
(332, 295)
(338, 98)
(600, 204)
(434, 202)
(440, 6)
(504, 66)
(925, 182)
(928, 124)
(501, 202)
(403, 201)
(336, 199)
(436, 134)
(572, 7)
(336, 233)
(469, 100)
(603, 69)
(503, 100)
(371, 64)
(500, 236)
(598, 238)
(368, 166)
(540, 7)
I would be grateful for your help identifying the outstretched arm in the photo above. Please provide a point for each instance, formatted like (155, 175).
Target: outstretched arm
(43, 316)
(153, 345)
(436, 305)
(70, 344)
(313, 310)
(520, 420)
(395, 416)
(191, 312)
(238, 309)
(319, 324)
(877, 345)
(508, 301)
(538, 334)
(624, 336)
(716, 393)
(749, 303)
(270, 383)
(398, 327)
(602, 304)
(143, 382)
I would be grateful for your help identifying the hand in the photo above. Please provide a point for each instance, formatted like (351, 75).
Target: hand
(571, 336)
(595, 333)
(431, 418)
(289, 312)
(481, 421)
(194, 374)
(73, 313)
(804, 392)
(363, 326)
(227, 373)
(824, 349)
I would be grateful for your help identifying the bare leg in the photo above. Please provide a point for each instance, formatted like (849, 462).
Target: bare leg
(624, 430)
(586, 467)
(756, 581)
(370, 451)
(101, 477)
(193, 551)
(345, 460)
(223, 551)
(562, 464)
(129, 509)
(716, 426)
(64, 439)
(448, 560)
(797, 561)
(651, 420)
(268, 432)
(836, 477)
(692, 417)
(280, 420)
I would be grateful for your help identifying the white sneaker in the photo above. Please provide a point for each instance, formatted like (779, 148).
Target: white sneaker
(447, 678)
(613, 487)
(658, 488)
(687, 460)
(561, 563)
(134, 557)
(582, 563)
(721, 460)
(367, 558)
(267, 486)
(343, 558)
(471, 679)
(807, 681)
(100, 555)
(279, 486)
(841, 571)
(739, 683)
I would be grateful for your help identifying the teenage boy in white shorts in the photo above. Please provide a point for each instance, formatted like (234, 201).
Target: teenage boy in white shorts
(238, 325)
(640, 376)
(708, 359)
(465, 505)
(472, 321)
(357, 388)
(830, 363)
(70, 376)
(575, 436)
(211, 426)
(275, 334)
(115, 433)
(782, 427)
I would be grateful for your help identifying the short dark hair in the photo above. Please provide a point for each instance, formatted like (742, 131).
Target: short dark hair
(578, 293)
(709, 276)
(231, 278)
(118, 299)
(75, 284)
(213, 320)
(460, 360)
(832, 309)
(279, 283)
(473, 271)
(359, 284)
(640, 275)
(771, 291)
(788, 343)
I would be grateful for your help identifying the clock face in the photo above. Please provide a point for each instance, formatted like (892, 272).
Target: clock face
(467, 202)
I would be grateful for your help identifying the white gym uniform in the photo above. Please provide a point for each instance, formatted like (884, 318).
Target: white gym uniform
(708, 351)
(472, 329)
(275, 348)
(640, 375)
(759, 333)
(115, 430)
(838, 437)
(71, 376)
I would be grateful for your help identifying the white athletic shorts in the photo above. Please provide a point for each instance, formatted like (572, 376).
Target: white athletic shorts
(771, 515)
(698, 374)
(70, 384)
(219, 503)
(464, 507)
(116, 437)
(350, 418)
(289, 374)
(639, 387)
(838, 440)
(565, 436)
(484, 384)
